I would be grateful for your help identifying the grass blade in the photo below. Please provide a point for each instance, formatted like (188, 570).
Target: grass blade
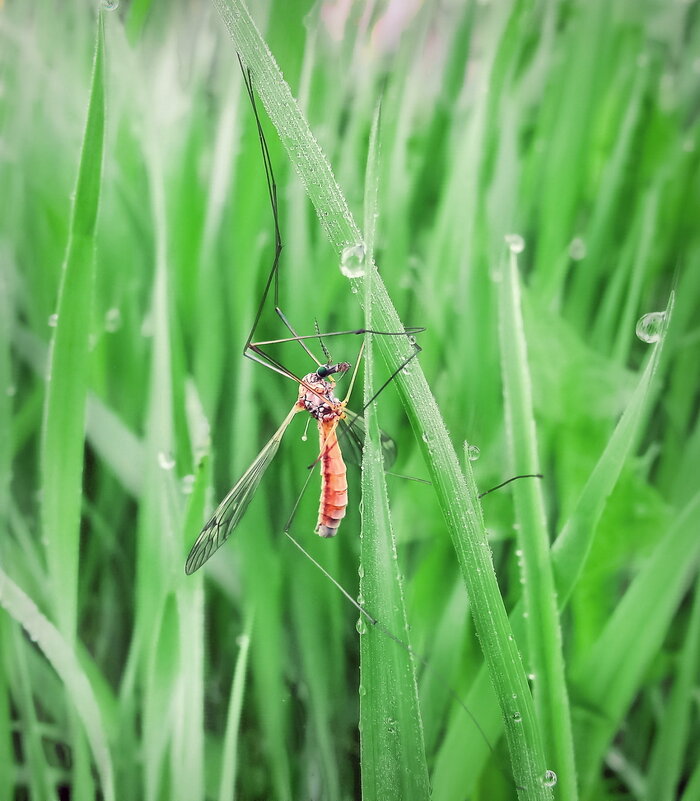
(67, 385)
(392, 752)
(59, 651)
(545, 657)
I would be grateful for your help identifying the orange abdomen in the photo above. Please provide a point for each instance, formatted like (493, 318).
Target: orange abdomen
(334, 484)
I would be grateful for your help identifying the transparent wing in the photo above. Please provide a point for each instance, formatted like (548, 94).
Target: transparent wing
(353, 436)
(229, 512)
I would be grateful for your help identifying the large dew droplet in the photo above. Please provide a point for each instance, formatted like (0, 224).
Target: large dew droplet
(651, 326)
(473, 452)
(550, 778)
(352, 261)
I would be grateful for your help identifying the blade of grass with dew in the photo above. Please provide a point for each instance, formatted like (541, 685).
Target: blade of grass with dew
(392, 752)
(569, 554)
(59, 651)
(572, 546)
(63, 430)
(187, 747)
(675, 738)
(545, 657)
(67, 383)
(458, 506)
(229, 769)
(608, 676)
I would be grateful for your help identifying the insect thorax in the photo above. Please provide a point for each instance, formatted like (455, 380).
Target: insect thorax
(316, 396)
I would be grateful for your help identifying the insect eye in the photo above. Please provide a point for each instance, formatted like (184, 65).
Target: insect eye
(322, 371)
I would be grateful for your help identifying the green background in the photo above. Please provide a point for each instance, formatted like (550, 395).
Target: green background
(571, 124)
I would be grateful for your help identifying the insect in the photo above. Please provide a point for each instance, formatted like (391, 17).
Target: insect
(316, 395)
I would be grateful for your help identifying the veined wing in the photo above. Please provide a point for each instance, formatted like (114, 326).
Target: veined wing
(352, 435)
(233, 507)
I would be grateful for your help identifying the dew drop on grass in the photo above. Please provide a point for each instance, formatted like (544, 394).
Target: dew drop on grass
(650, 326)
(515, 242)
(53, 320)
(360, 571)
(113, 320)
(473, 452)
(166, 461)
(550, 778)
(110, 5)
(425, 437)
(517, 717)
(187, 484)
(361, 626)
(352, 261)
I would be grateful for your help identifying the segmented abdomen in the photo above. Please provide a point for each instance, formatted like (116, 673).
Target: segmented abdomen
(334, 485)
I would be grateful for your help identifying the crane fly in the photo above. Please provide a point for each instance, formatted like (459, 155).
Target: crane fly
(316, 395)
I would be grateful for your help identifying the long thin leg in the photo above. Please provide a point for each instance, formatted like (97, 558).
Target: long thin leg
(272, 191)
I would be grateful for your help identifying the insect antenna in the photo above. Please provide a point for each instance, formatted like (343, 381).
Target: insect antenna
(326, 352)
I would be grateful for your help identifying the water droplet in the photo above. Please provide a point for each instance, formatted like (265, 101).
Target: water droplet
(166, 461)
(550, 778)
(361, 626)
(515, 242)
(531, 676)
(517, 717)
(53, 320)
(577, 249)
(473, 452)
(651, 326)
(391, 726)
(362, 690)
(304, 437)
(352, 261)
(187, 484)
(361, 571)
(110, 5)
(425, 437)
(113, 320)
(353, 289)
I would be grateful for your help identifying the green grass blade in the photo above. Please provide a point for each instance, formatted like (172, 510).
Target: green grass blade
(675, 739)
(545, 657)
(608, 676)
(67, 385)
(229, 771)
(572, 546)
(59, 651)
(392, 752)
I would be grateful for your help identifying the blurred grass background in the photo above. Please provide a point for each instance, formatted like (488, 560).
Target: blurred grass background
(571, 124)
